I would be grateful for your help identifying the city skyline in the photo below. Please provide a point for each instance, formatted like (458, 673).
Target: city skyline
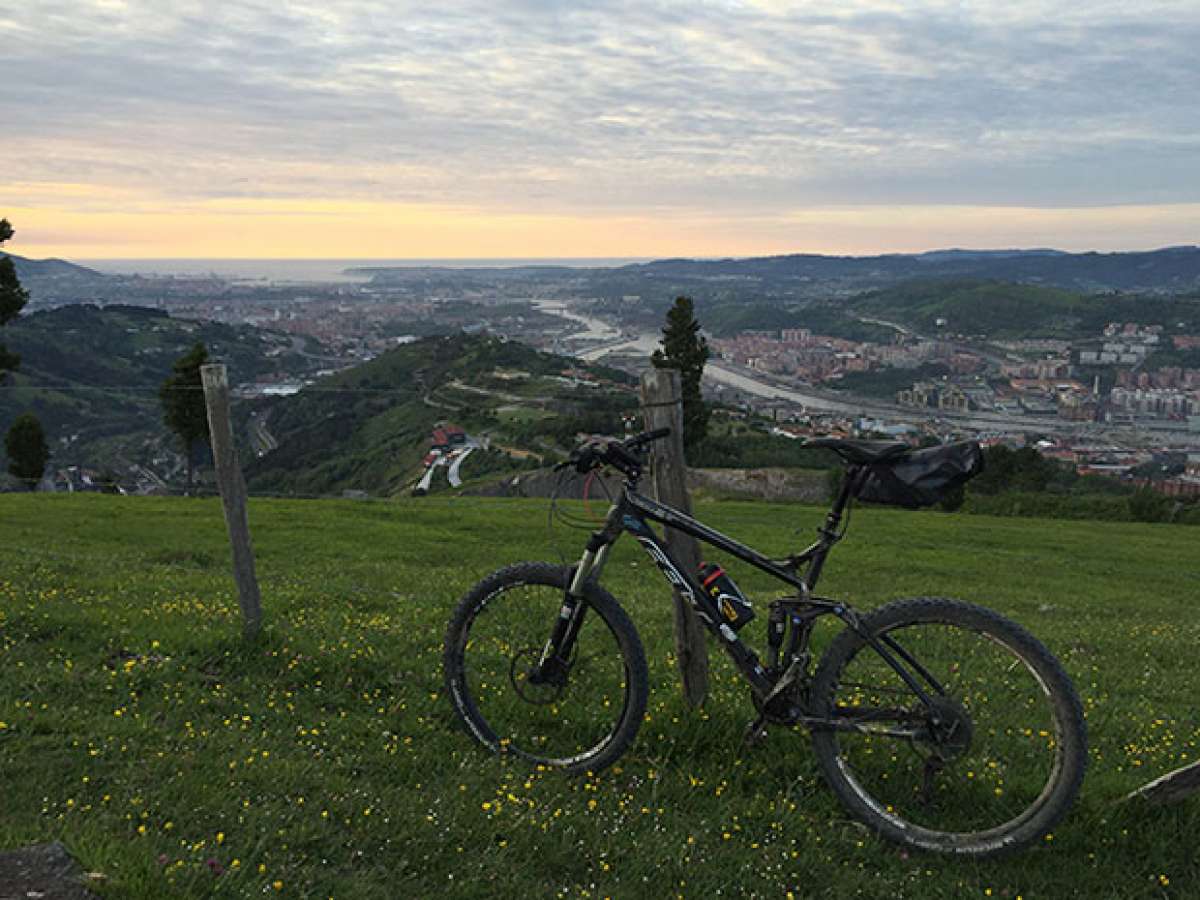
(607, 129)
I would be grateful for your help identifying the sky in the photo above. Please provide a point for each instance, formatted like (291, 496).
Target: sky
(172, 128)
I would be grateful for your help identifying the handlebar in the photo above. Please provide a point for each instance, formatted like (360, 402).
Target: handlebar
(625, 456)
(647, 437)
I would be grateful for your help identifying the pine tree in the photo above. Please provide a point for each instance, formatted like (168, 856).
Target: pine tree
(12, 299)
(184, 412)
(685, 349)
(27, 451)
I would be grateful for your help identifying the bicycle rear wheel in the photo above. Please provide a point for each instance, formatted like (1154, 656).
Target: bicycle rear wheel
(494, 642)
(992, 762)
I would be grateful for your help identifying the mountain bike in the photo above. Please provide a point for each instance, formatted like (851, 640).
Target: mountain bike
(939, 724)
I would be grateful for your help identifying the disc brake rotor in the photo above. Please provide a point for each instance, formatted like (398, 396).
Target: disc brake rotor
(948, 738)
(524, 663)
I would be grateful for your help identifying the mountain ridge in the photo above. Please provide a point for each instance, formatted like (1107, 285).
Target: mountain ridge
(50, 267)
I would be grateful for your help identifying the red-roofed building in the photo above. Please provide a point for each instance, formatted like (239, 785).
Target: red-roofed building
(447, 435)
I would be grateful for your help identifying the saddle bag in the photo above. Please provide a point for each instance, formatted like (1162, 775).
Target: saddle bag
(922, 477)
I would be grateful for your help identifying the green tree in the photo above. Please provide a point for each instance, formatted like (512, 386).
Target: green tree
(1147, 505)
(1005, 469)
(685, 349)
(184, 412)
(26, 447)
(13, 298)
(953, 499)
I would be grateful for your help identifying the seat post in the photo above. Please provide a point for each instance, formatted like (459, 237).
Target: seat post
(829, 531)
(845, 491)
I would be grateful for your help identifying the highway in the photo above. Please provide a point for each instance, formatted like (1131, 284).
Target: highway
(727, 375)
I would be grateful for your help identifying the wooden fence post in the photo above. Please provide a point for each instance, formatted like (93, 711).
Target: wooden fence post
(662, 407)
(233, 496)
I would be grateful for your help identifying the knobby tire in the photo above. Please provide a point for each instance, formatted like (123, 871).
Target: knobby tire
(1001, 766)
(494, 638)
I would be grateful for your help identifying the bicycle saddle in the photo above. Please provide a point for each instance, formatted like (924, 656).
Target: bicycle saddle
(861, 452)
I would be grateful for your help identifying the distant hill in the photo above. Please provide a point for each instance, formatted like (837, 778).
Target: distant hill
(1174, 269)
(957, 254)
(997, 309)
(51, 281)
(34, 269)
(368, 428)
(1005, 310)
(766, 279)
(91, 374)
(802, 278)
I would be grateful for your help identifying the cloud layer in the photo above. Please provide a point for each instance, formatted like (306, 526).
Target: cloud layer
(743, 109)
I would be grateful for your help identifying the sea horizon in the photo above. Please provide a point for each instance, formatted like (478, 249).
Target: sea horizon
(328, 270)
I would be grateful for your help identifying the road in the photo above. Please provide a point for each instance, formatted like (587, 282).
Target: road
(723, 373)
(452, 459)
(727, 375)
(459, 456)
(995, 357)
(645, 343)
(427, 479)
(261, 440)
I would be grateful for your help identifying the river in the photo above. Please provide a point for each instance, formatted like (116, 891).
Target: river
(594, 329)
(723, 374)
(612, 340)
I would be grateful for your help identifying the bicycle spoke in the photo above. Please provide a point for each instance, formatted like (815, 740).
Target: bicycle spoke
(560, 712)
(970, 766)
(968, 792)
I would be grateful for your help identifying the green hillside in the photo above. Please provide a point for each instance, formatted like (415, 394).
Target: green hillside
(176, 761)
(727, 319)
(977, 307)
(368, 428)
(1005, 310)
(91, 374)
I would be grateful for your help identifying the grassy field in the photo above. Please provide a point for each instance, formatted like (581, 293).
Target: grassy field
(177, 761)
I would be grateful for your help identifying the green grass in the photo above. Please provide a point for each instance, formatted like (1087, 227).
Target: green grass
(139, 729)
(521, 415)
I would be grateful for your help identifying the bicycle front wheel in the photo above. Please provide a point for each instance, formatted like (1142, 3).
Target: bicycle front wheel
(990, 761)
(581, 722)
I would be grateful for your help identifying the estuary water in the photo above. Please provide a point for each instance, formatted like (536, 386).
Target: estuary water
(308, 271)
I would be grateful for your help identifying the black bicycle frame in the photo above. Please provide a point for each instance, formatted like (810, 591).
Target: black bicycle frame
(631, 512)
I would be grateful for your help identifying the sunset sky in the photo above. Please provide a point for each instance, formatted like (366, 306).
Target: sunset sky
(546, 129)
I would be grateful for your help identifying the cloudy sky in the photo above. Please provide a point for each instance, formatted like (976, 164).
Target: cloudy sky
(170, 128)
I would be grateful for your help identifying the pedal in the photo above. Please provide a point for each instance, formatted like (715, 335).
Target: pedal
(755, 732)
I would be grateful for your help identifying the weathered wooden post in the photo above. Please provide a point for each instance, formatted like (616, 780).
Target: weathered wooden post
(233, 496)
(662, 407)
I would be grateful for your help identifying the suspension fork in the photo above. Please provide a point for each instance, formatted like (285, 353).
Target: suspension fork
(555, 660)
